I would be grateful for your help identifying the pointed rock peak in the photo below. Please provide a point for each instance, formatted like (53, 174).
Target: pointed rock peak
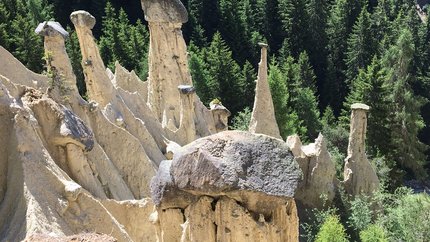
(83, 18)
(51, 28)
(359, 175)
(165, 11)
(295, 145)
(263, 119)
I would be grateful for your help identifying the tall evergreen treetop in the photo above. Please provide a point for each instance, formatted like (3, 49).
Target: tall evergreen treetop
(406, 121)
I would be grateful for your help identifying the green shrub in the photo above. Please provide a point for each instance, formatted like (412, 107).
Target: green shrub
(373, 233)
(332, 231)
(241, 120)
(360, 213)
(314, 220)
(408, 219)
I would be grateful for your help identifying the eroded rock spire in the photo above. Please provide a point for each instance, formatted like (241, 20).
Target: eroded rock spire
(168, 64)
(99, 86)
(58, 63)
(263, 119)
(359, 175)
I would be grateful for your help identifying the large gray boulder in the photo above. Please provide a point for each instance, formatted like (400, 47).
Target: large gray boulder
(256, 170)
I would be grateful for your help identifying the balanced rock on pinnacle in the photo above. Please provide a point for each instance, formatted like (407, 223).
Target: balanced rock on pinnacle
(359, 175)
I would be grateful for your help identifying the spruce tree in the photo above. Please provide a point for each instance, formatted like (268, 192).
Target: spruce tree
(405, 118)
(4, 17)
(234, 31)
(370, 88)
(361, 46)
(194, 28)
(317, 13)
(248, 84)
(226, 74)
(109, 37)
(305, 103)
(74, 52)
(294, 19)
(203, 82)
(18, 19)
(123, 42)
(287, 119)
(342, 17)
(26, 45)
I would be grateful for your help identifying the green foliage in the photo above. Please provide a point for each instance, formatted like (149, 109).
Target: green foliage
(124, 42)
(405, 120)
(203, 82)
(408, 219)
(337, 136)
(370, 87)
(286, 118)
(361, 45)
(339, 25)
(317, 14)
(360, 216)
(332, 231)
(294, 19)
(315, 219)
(74, 52)
(330, 54)
(226, 74)
(373, 233)
(18, 19)
(241, 120)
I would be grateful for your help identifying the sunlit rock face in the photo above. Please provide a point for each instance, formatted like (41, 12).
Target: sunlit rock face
(359, 175)
(229, 186)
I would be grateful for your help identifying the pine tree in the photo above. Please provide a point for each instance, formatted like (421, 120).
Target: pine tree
(305, 103)
(18, 19)
(123, 42)
(361, 46)
(109, 36)
(226, 74)
(295, 23)
(340, 22)
(26, 45)
(194, 27)
(203, 82)
(252, 14)
(287, 119)
(299, 79)
(39, 10)
(371, 88)
(139, 48)
(275, 35)
(317, 12)
(234, 31)
(405, 118)
(248, 84)
(4, 17)
(74, 52)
